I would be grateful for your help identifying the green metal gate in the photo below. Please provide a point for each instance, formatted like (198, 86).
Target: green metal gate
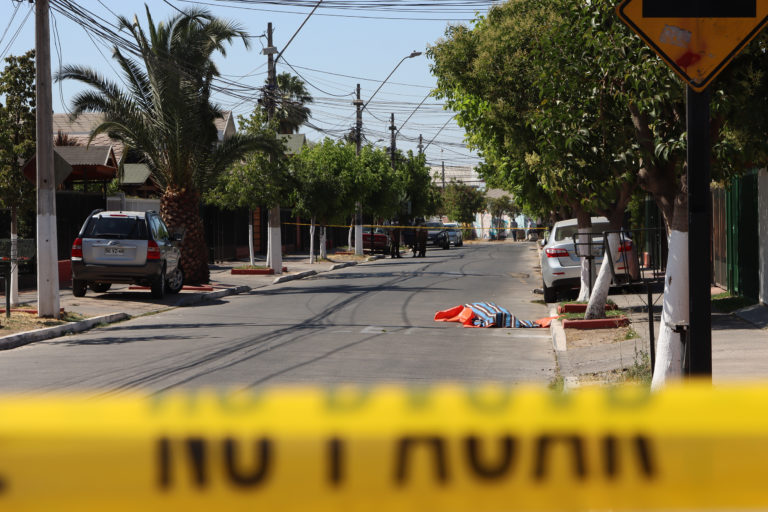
(742, 226)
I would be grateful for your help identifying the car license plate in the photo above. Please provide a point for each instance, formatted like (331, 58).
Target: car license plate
(114, 251)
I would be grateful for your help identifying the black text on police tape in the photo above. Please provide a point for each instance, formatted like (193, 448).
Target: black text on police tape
(248, 464)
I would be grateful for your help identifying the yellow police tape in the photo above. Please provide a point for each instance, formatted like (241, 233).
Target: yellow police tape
(389, 226)
(388, 449)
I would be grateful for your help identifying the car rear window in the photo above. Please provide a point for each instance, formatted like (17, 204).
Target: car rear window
(119, 228)
(567, 232)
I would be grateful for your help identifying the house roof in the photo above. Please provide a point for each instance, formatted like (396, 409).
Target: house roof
(135, 174)
(88, 155)
(294, 142)
(80, 129)
(94, 163)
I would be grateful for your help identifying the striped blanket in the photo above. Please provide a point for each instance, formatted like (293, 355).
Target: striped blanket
(483, 314)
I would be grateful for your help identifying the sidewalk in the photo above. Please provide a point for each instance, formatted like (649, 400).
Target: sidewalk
(739, 344)
(121, 302)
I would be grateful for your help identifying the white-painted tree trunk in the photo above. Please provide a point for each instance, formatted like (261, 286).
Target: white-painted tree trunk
(583, 238)
(269, 244)
(349, 235)
(251, 256)
(596, 306)
(358, 229)
(312, 241)
(276, 248)
(669, 349)
(14, 295)
(323, 250)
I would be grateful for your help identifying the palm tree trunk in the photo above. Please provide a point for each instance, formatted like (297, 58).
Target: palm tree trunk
(179, 209)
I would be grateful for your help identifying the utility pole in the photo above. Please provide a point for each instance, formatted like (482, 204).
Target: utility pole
(358, 103)
(275, 250)
(443, 174)
(47, 250)
(421, 145)
(392, 139)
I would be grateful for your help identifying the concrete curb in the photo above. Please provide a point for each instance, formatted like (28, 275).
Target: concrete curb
(194, 299)
(342, 265)
(300, 275)
(23, 338)
(558, 334)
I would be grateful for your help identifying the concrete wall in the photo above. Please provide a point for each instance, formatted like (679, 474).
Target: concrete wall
(762, 211)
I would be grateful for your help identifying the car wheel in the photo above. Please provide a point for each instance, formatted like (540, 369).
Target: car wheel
(174, 281)
(79, 287)
(550, 294)
(100, 287)
(158, 286)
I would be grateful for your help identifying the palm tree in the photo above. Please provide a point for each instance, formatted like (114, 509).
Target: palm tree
(292, 99)
(165, 113)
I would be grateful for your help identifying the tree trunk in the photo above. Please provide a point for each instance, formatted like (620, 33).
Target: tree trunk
(358, 229)
(179, 209)
(250, 238)
(349, 235)
(14, 258)
(312, 240)
(584, 221)
(596, 306)
(276, 250)
(675, 309)
(323, 250)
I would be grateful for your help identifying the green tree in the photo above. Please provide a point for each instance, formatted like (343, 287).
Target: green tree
(499, 206)
(292, 98)
(17, 141)
(321, 191)
(166, 114)
(539, 84)
(420, 197)
(462, 202)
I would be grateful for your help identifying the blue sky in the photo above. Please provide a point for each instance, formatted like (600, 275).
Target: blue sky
(335, 50)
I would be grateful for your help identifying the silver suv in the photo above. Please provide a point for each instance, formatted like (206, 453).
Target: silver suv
(125, 247)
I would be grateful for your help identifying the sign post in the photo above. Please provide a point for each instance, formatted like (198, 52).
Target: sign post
(697, 39)
(699, 230)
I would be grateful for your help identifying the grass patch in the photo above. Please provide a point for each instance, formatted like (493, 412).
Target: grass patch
(640, 372)
(631, 334)
(727, 303)
(539, 301)
(251, 267)
(22, 322)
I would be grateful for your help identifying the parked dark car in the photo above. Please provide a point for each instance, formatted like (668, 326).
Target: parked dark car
(375, 240)
(437, 235)
(125, 247)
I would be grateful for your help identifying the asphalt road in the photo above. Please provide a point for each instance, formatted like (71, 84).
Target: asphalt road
(365, 324)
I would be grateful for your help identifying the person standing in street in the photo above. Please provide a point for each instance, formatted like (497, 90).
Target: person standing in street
(513, 228)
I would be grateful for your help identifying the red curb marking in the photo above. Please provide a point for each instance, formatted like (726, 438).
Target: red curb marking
(580, 308)
(599, 323)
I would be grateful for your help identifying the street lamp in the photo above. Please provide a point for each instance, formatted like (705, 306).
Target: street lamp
(358, 136)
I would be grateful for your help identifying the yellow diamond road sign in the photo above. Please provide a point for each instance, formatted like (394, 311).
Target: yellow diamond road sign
(697, 38)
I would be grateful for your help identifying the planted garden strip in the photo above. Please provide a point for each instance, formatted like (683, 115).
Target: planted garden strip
(598, 323)
(26, 310)
(580, 308)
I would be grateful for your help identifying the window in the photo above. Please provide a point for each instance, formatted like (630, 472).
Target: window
(118, 228)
